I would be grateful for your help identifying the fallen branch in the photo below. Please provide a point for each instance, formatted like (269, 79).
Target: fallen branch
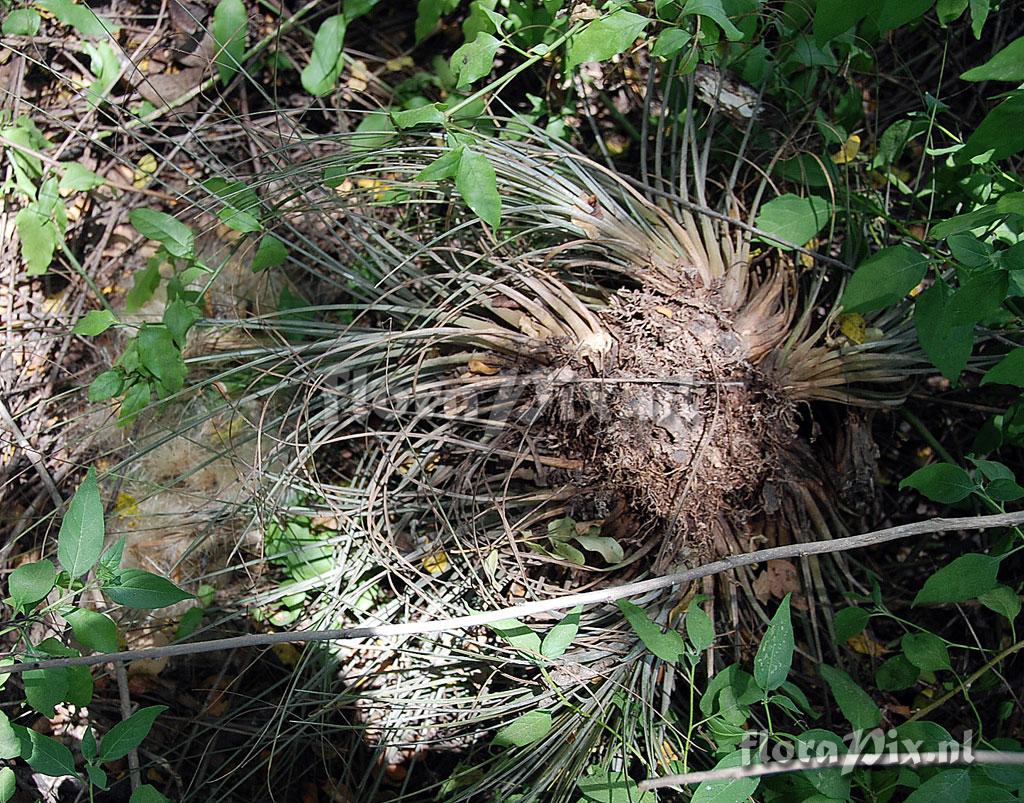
(604, 595)
(848, 762)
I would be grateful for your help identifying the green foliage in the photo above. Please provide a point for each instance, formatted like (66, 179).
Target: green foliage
(128, 734)
(733, 790)
(478, 185)
(230, 21)
(526, 729)
(80, 540)
(884, 279)
(171, 233)
(854, 703)
(95, 322)
(80, 17)
(605, 37)
(474, 60)
(31, 582)
(560, 637)
(793, 219)
(666, 645)
(941, 482)
(602, 786)
(79, 550)
(327, 59)
(960, 580)
(1006, 65)
(775, 655)
(21, 22)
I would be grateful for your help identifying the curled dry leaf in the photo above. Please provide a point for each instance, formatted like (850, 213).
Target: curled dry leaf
(777, 579)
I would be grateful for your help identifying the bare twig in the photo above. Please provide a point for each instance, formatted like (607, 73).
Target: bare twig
(600, 596)
(848, 762)
(125, 697)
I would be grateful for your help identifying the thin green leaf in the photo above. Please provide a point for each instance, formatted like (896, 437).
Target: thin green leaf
(714, 10)
(926, 651)
(21, 22)
(793, 219)
(1008, 65)
(667, 645)
(699, 627)
(519, 635)
(10, 746)
(77, 178)
(948, 347)
(858, 708)
(8, 781)
(1003, 600)
(31, 582)
(80, 17)
(95, 322)
(605, 37)
(941, 482)
(93, 629)
(849, 622)
(170, 232)
(733, 790)
(529, 728)
(1008, 371)
(473, 60)
(147, 794)
(946, 786)
(270, 253)
(774, 656)
(46, 755)
(128, 734)
(327, 60)
(140, 589)
(230, 22)
(884, 279)
(560, 637)
(80, 540)
(962, 579)
(478, 185)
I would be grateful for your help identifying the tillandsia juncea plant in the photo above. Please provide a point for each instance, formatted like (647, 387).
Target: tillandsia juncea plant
(528, 370)
(562, 377)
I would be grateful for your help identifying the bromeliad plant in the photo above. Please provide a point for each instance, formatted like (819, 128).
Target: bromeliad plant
(603, 380)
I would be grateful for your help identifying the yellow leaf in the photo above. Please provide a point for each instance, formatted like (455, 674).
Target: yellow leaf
(866, 645)
(437, 563)
(854, 327)
(287, 653)
(126, 505)
(144, 171)
(850, 149)
(664, 311)
(480, 367)
(400, 63)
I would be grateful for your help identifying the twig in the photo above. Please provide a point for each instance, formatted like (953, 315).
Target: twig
(125, 697)
(848, 762)
(963, 687)
(600, 596)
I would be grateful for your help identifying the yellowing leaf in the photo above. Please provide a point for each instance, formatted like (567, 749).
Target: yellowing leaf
(854, 327)
(287, 653)
(144, 171)
(436, 563)
(480, 367)
(866, 645)
(848, 151)
(126, 505)
(400, 63)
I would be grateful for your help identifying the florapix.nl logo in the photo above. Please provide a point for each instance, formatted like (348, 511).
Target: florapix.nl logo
(857, 749)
